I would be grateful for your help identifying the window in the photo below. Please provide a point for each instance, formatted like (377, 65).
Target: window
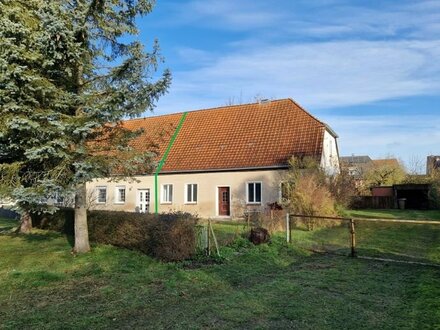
(285, 191)
(167, 193)
(120, 195)
(191, 193)
(102, 194)
(254, 192)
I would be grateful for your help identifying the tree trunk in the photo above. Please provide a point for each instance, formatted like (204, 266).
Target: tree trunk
(81, 231)
(25, 223)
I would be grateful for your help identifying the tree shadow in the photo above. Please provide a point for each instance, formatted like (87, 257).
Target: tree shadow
(38, 236)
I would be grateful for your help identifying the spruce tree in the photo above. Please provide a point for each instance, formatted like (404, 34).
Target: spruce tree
(70, 72)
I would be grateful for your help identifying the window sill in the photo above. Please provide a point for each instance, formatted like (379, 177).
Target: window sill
(253, 203)
(190, 203)
(166, 203)
(119, 203)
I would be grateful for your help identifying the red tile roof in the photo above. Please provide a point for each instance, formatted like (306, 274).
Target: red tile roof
(392, 162)
(256, 135)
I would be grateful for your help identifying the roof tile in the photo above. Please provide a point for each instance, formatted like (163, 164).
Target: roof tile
(239, 136)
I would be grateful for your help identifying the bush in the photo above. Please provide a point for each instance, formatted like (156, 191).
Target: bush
(172, 237)
(62, 221)
(123, 229)
(168, 237)
(309, 197)
(271, 219)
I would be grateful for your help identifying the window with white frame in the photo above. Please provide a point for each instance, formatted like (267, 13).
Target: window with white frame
(167, 193)
(120, 195)
(253, 190)
(101, 193)
(191, 193)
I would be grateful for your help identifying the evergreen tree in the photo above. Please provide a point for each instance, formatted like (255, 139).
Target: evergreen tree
(70, 71)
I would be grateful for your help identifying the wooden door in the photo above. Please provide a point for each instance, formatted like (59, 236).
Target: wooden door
(224, 207)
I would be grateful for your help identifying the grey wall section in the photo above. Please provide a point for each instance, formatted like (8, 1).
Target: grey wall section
(207, 186)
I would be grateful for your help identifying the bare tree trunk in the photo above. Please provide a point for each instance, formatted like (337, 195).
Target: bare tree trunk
(81, 231)
(25, 223)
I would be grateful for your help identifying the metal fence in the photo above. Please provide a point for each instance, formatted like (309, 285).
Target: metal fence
(410, 241)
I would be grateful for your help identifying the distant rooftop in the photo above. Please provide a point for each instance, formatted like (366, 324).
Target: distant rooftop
(356, 159)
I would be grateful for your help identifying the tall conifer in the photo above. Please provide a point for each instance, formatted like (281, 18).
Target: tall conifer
(70, 71)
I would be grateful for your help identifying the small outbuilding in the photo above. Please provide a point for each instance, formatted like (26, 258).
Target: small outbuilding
(415, 196)
(408, 196)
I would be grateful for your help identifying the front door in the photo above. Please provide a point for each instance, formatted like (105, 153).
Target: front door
(224, 201)
(143, 200)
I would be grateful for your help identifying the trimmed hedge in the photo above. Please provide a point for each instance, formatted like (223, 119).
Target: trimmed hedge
(168, 237)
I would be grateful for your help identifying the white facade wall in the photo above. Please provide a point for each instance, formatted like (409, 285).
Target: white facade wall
(207, 191)
(330, 156)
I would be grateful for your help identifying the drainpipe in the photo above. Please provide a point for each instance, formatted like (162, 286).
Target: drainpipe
(162, 163)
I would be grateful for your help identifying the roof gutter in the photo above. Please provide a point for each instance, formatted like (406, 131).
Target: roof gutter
(230, 169)
(331, 131)
(162, 162)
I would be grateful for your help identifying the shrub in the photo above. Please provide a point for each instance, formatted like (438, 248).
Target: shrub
(168, 237)
(62, 221)
(123, 229)
(271, 219)
(172, 237)
(343, 189)
(308, 197)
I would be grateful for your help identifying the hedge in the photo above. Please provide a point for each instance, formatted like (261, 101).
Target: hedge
(168, 237)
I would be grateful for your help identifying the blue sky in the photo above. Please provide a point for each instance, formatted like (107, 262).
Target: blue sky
(370, 69)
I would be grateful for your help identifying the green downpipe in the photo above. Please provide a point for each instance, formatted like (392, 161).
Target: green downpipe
(162, 162)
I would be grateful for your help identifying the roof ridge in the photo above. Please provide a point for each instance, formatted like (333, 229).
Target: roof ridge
(215, 108)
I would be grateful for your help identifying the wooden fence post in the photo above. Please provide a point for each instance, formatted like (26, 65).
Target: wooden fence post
(208, 234)
(214, 239)
(353, 238)
(287, 227)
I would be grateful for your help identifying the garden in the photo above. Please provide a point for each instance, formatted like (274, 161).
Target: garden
(273, 285)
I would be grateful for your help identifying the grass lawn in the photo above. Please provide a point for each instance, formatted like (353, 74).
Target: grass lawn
(269, 286)
(395, 214)
(398, 241)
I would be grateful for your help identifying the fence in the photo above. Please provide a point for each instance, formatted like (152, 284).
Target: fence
(373, 202)
(206, 240)
(412, 241)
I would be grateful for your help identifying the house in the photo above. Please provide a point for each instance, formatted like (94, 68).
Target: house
(356, 166)
(219, 162)
(387, 162)
(432, 164)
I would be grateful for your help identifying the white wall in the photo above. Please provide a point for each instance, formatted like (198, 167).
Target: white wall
(207, 184)
(330, 156)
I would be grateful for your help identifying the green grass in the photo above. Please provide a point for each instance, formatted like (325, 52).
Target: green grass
(395, 214)
(43, 286)
(7, 224)
(399, 241)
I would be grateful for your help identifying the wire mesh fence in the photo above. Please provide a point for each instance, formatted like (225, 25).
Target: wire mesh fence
(416, 241)
(413, 241)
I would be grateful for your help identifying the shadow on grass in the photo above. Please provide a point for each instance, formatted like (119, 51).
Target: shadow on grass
(403, 242)
(39, 236)
(6, 230)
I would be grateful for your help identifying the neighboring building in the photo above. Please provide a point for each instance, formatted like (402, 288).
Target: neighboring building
(432, 164)
(356, 165)
(220, 162)
(389, 162)
(410, 196)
